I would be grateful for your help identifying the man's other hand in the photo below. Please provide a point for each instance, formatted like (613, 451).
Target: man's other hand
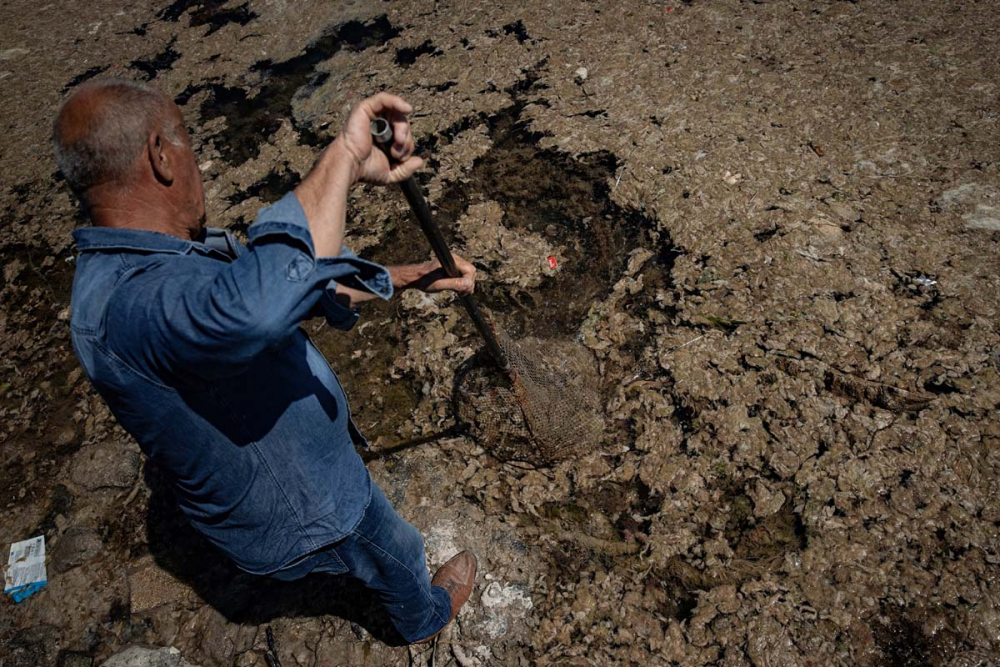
(370, 164)
(430, 277)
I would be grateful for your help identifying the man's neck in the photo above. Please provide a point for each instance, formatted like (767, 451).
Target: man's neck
(139, 210)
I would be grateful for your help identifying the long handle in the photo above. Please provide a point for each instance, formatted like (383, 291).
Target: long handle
(382, 135)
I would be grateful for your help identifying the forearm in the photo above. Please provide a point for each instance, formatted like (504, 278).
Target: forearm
(323, 196)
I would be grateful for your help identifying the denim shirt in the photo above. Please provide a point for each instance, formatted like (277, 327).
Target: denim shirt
(196, 347)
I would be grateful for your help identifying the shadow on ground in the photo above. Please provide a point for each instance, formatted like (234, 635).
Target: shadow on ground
(248, 599)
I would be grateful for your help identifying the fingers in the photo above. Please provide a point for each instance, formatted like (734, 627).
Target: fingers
(465, 283)
(383, 102)
(402, 138)
(467, 270)
(459, 285)
(375, 168)
(435, 280)
(402, 171)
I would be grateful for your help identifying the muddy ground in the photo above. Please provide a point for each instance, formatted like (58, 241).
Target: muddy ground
(776, 227)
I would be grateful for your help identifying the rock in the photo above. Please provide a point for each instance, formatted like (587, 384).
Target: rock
(105, 466)
(962, 195)
(65, 437)
(765, 501)
(137, 656)
(984, 217)
(844, 211)
(581, 74)
(826, 230)
(979, 203)
(75, 547)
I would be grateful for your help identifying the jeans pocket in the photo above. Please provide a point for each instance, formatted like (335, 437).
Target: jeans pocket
(330, 562)
(325, 560)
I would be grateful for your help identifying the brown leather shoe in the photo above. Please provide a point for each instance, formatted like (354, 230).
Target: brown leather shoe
(457, 576)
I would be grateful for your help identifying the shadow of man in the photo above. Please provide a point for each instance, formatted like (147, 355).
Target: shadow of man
(245, 598)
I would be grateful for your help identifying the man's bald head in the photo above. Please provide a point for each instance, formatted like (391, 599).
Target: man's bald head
(102, 129)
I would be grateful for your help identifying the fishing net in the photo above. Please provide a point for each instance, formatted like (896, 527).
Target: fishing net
(546, 408)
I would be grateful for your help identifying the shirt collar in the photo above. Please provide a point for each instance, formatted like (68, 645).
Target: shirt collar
(211, 241)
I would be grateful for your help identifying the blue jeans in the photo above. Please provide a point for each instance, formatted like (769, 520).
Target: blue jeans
(386, 554)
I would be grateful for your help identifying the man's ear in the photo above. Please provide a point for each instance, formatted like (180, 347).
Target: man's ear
(159, 160)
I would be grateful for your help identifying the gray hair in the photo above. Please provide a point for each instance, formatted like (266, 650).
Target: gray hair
(101, 142)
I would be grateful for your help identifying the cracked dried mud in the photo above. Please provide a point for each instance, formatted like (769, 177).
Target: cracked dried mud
(775, 227)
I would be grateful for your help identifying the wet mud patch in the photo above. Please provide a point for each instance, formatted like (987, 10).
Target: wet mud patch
(902, 641)
(766, 541)
(216, 16)
(543, 193)
(380, 403)
(406, 56)
(518, 30)
(612, 512)
(252, 116)
(568, 201)
(268, 190)
(151, 66)
(630, 507)
(213, 13)
(84, 77)
(364, 356)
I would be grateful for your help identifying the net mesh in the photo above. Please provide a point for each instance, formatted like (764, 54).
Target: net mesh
(548, 407)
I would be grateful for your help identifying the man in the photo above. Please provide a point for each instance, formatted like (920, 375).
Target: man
(194, 342)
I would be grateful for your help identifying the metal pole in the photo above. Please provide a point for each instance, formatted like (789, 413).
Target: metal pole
(382, 136)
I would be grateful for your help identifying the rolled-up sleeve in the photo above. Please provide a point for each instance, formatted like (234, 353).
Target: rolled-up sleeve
(215, 324)
(287, 217)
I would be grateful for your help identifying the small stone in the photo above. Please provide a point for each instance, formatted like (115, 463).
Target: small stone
(65, 437)
(75, 547)
(105, 465)
(766, 502)
(581, 74)
(137, 656)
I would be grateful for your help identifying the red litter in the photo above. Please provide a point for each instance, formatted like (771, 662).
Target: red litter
(552, 262)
